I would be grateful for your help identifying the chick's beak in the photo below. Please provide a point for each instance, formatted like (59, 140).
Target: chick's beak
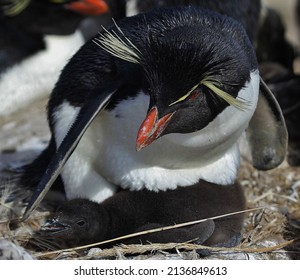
(151, 128)
(88, 7)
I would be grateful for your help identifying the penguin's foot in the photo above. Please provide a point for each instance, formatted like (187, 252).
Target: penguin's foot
(231, 242)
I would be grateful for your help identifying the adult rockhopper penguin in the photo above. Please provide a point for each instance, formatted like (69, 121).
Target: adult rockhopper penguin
(156, 101)
(37, 38)
(25, 24)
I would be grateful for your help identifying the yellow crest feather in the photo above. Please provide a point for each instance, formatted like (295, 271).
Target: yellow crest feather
(238, 103)
(118, 47)
(212, 84)
(15, 7)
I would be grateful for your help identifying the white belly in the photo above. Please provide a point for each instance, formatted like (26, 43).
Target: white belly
(106, 155)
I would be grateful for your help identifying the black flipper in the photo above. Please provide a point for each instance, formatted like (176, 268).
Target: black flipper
(86, 115)
(267, 133)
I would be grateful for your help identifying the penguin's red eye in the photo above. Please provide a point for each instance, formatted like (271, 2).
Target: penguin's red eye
(191, 95)
(195, 94)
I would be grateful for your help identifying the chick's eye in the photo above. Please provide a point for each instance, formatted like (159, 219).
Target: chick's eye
(81, 223)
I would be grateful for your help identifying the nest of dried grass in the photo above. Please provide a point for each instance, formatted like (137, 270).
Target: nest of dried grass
(265, 235)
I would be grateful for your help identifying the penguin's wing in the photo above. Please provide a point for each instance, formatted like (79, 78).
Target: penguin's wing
(267, 133)
(86, 115)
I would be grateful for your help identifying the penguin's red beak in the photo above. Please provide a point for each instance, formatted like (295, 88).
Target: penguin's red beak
(151, 128)
(88, 7)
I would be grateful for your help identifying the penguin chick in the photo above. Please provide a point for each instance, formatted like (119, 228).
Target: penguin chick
(81, 221)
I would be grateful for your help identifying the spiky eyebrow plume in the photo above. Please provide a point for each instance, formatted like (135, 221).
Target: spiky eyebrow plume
(118, 47)
(214, 85)
(14, 7)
